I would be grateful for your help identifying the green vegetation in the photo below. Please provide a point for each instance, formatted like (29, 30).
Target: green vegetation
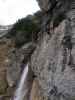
(26, 29)
(58, 18)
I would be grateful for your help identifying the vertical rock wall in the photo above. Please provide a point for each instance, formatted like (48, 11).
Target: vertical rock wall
(53, 60)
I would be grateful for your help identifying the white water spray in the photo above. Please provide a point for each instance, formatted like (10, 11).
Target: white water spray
(22, 89)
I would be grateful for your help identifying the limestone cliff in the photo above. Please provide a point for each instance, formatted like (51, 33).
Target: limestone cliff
(53, 60)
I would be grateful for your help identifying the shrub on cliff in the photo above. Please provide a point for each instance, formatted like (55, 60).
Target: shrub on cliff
(23, 30)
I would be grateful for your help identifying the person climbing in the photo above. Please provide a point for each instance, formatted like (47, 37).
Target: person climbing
(67, 45)
(67, 42)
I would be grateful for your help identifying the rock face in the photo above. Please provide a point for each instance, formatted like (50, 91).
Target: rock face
(5, 90)
(49, 5)
(16, 57)
(44, 4)
(11, 60)
(4, 47)
(53, 60)
(35, 92)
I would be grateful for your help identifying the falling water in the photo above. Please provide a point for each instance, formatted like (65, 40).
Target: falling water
(22, 90)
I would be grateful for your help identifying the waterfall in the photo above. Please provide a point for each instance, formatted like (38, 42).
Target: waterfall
(22, 89)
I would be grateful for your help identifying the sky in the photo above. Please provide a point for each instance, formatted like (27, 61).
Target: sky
(12, 10)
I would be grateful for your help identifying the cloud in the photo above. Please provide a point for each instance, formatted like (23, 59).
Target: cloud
(3, 0)
(11, 10)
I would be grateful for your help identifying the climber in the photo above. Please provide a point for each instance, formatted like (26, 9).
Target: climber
(51, 28)
(67, 44)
